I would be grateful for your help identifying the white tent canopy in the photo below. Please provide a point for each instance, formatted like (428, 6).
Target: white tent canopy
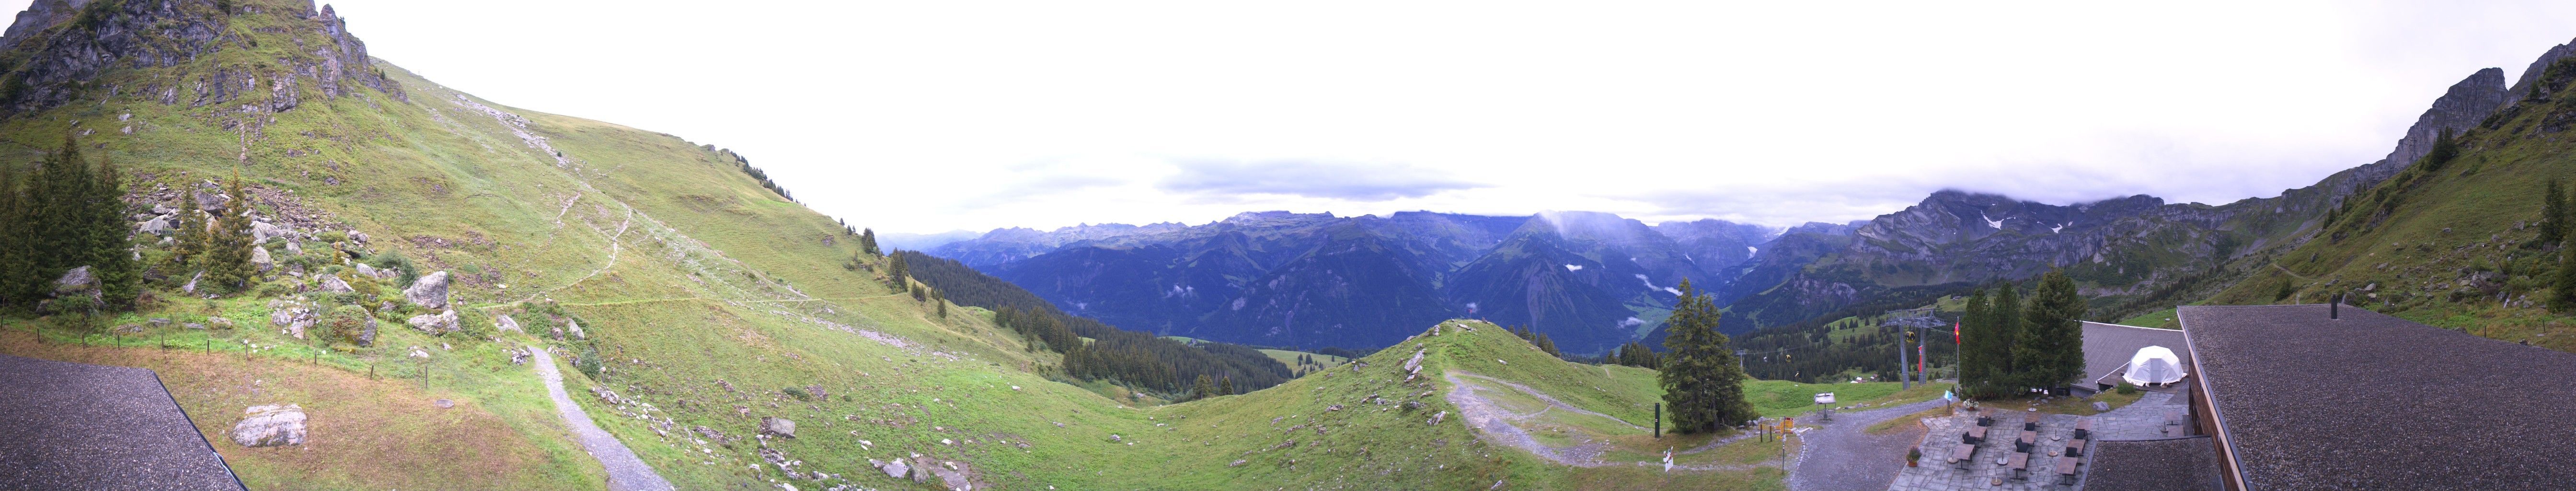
(2153, 365)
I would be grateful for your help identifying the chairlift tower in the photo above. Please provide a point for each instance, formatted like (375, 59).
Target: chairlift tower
(1911, 320)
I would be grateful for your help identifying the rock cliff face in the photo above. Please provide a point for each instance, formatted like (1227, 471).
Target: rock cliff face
(87, 39)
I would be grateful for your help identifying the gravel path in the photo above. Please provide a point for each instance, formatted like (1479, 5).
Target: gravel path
(625, 472)
(1840, 457)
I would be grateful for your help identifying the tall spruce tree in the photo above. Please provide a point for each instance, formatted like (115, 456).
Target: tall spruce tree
(111, 242)
(228, 247)
(61, 197)
(1976, 366)
(1204, 388)
(188, 240)
(868, 241)
(2051, 348)
(896, 273)
(2553, 214)
(18, 271)
(2004, 319)
(1702, 384)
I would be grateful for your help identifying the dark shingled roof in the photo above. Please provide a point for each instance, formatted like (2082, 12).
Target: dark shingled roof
(2376, 402)
(77, 426)
(2172, 464)
(2107, 348)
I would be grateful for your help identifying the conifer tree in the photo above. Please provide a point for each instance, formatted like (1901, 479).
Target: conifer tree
(1204, 388)
(60, 197)
(111, 243)
(188, 241)
(1548, 345)
(18, 271)
(2553, 214)
(2004, 324)
(1225, 386)
(896, 274)
(1701, 381)
(868, 241)
(2051, 346)
(941, 302)
(228, 247)
(1976, 365)
(2563, 284)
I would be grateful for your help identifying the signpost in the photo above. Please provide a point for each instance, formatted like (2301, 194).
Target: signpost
(1824, 406)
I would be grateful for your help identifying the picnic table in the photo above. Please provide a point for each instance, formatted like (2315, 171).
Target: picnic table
(2019, 464)
(1962, 454)
(2075, 447)
(2066, 470)
(1975, 434)
(2028, 438)
(2084, 429)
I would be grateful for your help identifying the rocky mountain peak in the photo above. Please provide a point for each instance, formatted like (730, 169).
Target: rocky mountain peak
(65, 45)
(2462, 107)
(2522, 85)
(38, 16)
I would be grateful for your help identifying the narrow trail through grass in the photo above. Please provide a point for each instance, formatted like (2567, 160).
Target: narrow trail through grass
(625, 472)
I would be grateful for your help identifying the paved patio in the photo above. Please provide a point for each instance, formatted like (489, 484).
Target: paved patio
(2154, 416)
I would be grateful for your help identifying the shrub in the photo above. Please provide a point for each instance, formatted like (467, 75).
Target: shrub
(343, 324)
(589, 364)
(393, 260)
(798, 393)
(2125, 388)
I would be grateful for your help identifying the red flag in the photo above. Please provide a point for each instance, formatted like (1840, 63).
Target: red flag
(1954, 333)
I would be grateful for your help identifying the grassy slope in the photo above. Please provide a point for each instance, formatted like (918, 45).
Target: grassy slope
(708, 295)
(2445, 226)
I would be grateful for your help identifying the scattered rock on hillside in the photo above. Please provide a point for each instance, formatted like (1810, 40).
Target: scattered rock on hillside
(294, 249)
(1435, 419)
(894, 469)
(270, 425)
(159, 225)
(505, 323)
(575, 329)
(259, 257)
(219, 322)
(292, 319)
(777, 426)
(429, 291)
(443, 322)
(330, 284)
(260, 232)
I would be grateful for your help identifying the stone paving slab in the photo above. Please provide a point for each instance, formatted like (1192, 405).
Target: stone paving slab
(2146, 419)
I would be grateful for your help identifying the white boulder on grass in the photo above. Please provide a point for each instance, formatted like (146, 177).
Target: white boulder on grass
(270, 425)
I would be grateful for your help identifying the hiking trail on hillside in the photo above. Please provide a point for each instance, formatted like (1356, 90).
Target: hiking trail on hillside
(625, 471)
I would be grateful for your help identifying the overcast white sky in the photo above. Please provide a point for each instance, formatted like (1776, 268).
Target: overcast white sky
(933, 116)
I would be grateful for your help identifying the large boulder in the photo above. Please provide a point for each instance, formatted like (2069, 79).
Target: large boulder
(260, 232)
(777, 426)
(333, 284)
(294, 249)
(429, 291)
(574, 328)
(160, 225)
(211, 202)
(444, 322)
(78, 281)
(259, 257)
(505, 323)
(270, 425)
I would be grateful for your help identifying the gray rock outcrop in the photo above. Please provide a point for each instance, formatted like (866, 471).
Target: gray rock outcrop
(505, 323)
(333, 284)
(260, 232)
(293, 319)
(777, 426)
(78, 281)
(259, 258)
(270, 425)
(442, 322)
(160, 225)
(429, 291)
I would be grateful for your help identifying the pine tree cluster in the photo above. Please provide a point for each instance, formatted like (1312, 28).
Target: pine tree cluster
(1635, 354)
(1536, 339)
(2010, 346)
(65, 214)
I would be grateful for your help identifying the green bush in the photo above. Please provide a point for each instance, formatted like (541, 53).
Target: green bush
(343, 324)
(589, 364)
(798, 393)
(2125, 388)
(393, 260)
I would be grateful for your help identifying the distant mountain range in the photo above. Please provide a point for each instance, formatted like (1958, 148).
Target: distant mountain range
(1589, 280)
(1594, 280)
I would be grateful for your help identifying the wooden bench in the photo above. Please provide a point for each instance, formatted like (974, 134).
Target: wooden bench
(2066, 470)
